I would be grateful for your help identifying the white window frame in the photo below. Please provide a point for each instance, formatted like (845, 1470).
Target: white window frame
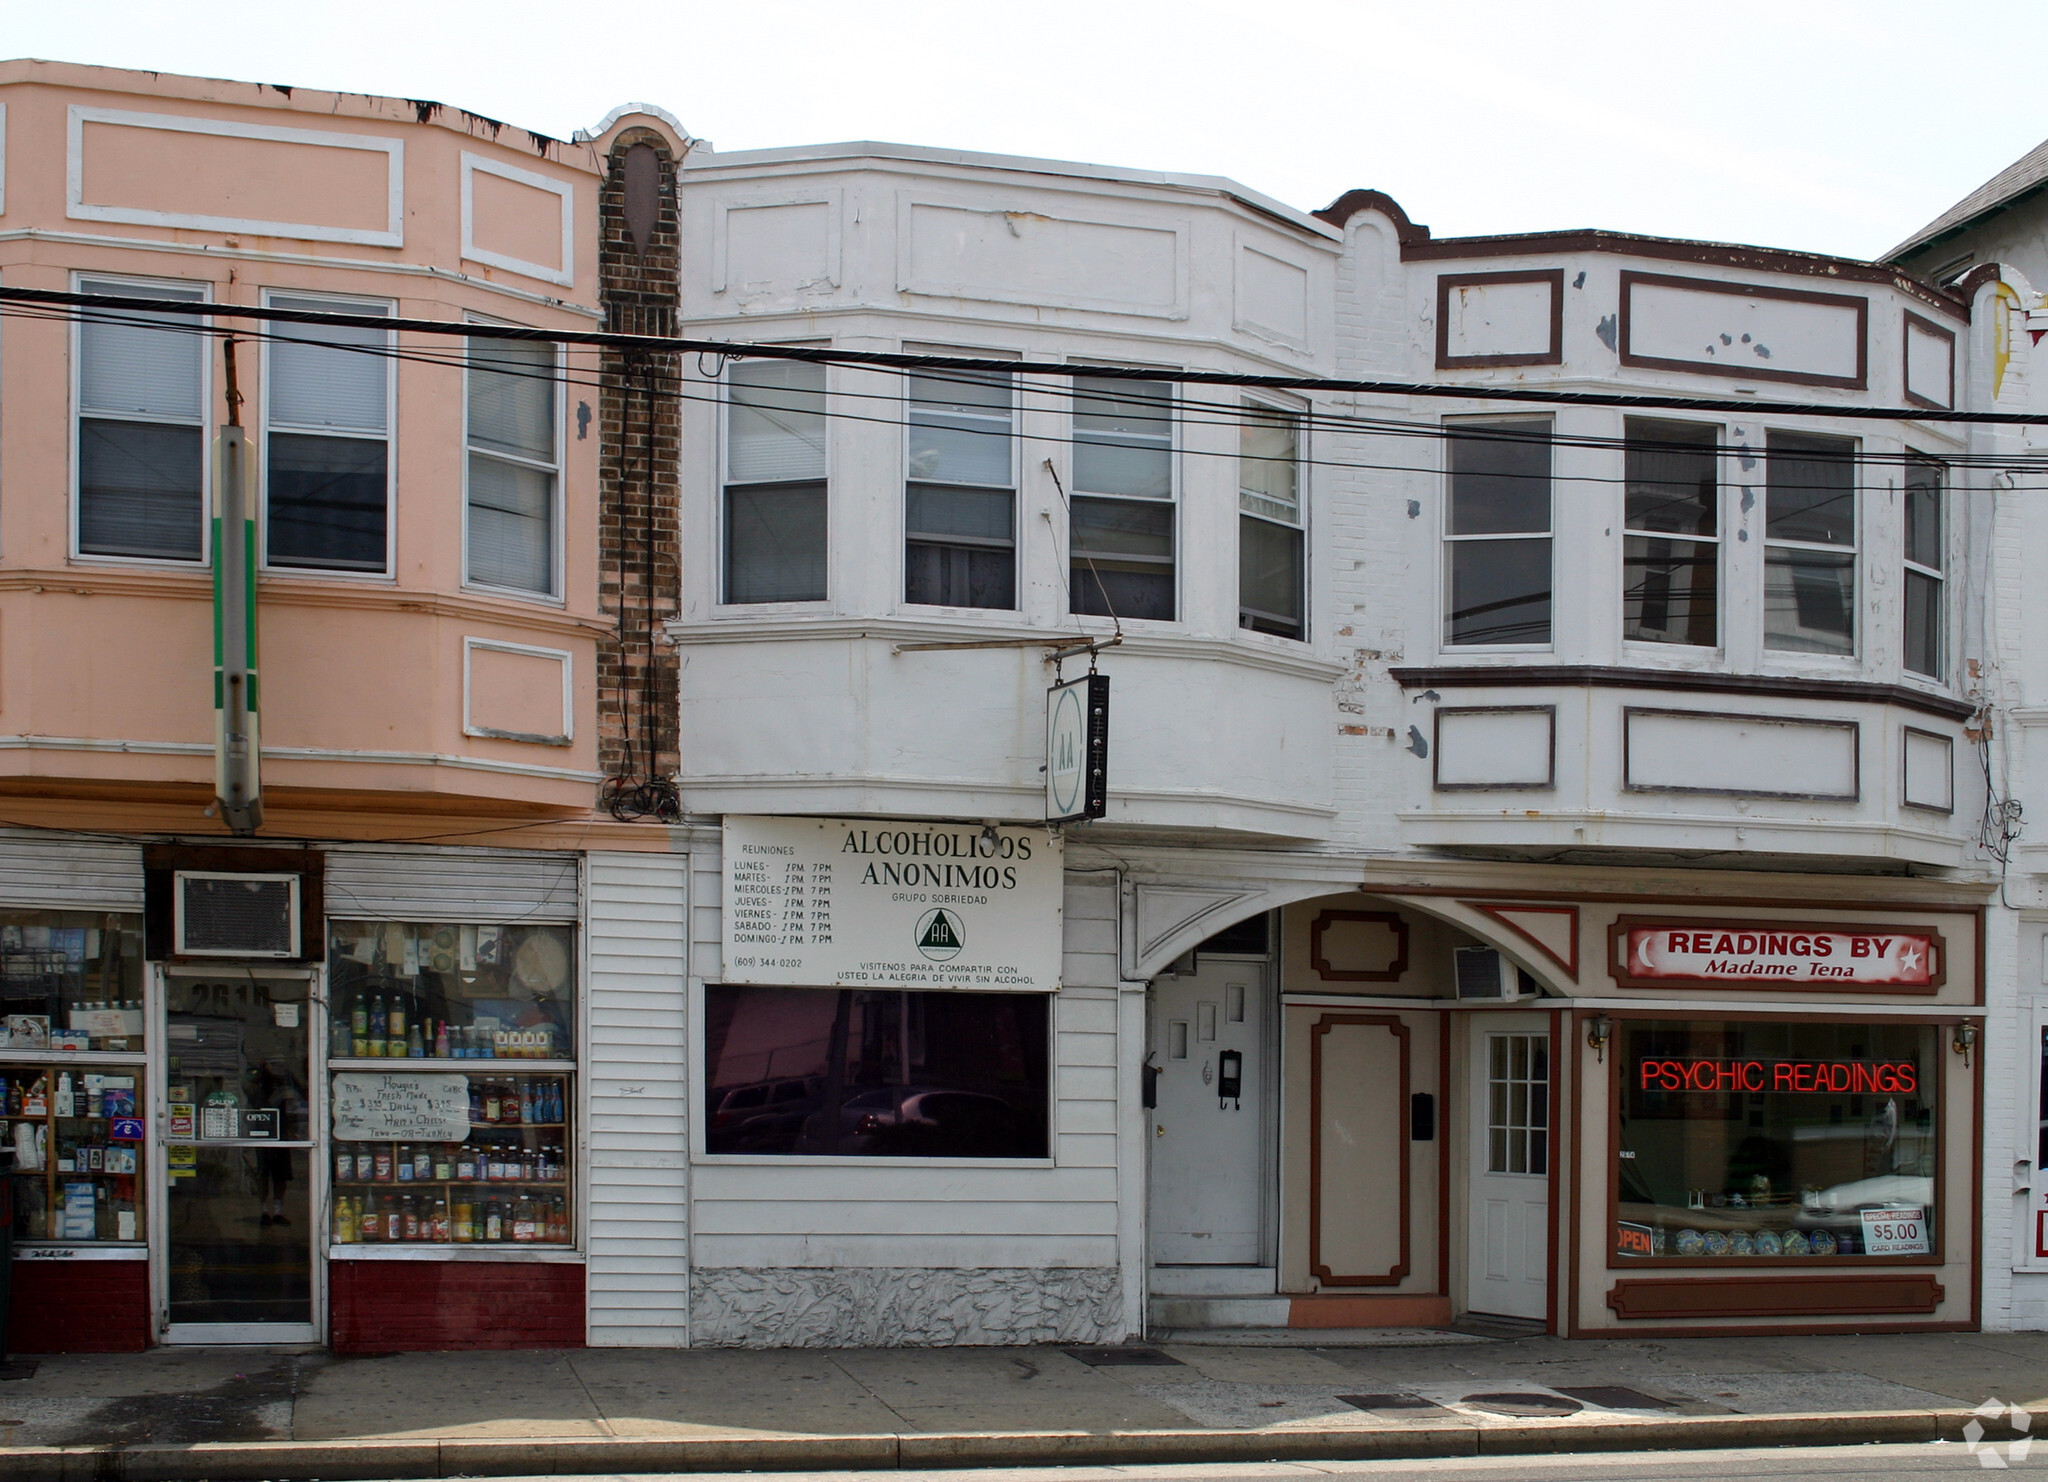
(1718, 540)
(1015, 486)
(1450, 427)
(1076, 370)
(723, 408)
(557, 555)
(346, 304)
(1939, 578)
(1859, 597)
(1299, 417)
(145, 288)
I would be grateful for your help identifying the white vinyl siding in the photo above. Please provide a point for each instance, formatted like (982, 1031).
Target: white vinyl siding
(639, 1273)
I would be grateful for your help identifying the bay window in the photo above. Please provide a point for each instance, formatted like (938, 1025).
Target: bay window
(327, 442)
(1810, 544)
(1670, 548)
(1271, 575)
(1925, 589)
(775, 521)
(514, 466)
(141, 428)
(960, 497)
(1121, 520)
(1497, 533)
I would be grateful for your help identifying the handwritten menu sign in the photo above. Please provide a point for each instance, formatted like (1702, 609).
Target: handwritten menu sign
(381, 1106)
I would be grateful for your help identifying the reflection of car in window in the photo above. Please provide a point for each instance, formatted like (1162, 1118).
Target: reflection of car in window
(922, 1121)
(763, 1116)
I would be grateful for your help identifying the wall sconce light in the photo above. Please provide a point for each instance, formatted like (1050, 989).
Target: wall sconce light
(991, 836)
(1598, 1031)
(1964, 1040)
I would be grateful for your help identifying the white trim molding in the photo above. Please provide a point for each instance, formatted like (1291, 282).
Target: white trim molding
(566, 735)
(299, 754)
(566, 273)
(75, 207)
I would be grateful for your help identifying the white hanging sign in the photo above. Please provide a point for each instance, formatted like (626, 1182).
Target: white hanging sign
(869, 903)
(381, 1106)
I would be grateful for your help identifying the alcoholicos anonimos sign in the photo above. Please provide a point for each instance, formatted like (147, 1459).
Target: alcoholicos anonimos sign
(866, 903)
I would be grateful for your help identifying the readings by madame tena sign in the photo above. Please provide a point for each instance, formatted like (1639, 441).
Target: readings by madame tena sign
(862, 903)
(384, 1106)
(1784, 953)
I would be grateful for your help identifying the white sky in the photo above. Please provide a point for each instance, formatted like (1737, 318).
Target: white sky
(1830, 125)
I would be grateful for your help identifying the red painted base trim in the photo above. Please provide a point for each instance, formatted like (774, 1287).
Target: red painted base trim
(1368, 1312)
(79, 1307)
(410, 1306)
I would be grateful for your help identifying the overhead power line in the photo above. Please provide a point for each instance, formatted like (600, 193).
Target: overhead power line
(900, 360)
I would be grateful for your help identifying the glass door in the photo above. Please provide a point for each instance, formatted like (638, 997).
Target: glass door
(237, 1158)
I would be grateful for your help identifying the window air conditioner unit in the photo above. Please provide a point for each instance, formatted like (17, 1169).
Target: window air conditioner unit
(235, 915)
(1482, 972)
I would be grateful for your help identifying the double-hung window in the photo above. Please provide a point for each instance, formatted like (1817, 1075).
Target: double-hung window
(142, 428)
(1270, 539)
(515, 468)
(1926, 550)
(1497, 533)
(1670, 549)
(1810, 544)
(327, 422)
(960, 496)
(1121, 537)
(775, 482)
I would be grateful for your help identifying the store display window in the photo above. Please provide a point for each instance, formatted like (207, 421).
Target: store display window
(444, 1150)
(1776, 1141)
(863, 1073)
(71, 980)
(72, 1085)
(403, 990)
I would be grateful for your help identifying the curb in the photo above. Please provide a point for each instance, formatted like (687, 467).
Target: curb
(362, 1461)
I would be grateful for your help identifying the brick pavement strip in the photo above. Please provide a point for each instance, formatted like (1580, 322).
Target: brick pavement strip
(344, 1461)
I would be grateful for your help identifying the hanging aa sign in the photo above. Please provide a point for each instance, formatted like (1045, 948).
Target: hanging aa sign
(1805, 956)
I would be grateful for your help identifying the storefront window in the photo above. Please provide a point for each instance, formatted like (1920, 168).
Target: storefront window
(1763, 1140)
(404, 990)
(441, 1153)
(858, 1073)
(71, 1074)
(71, 980)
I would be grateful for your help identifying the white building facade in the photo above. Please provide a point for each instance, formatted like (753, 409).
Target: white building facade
(1540, 876)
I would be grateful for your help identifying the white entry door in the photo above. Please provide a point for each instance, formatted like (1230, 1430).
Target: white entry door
(1509, 1245)
(1208, 1179)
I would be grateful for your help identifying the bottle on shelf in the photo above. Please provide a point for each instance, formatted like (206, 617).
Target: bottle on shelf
(558, 1221)
(444, 1164)
(64, 1097)
(522, 1220)
(494, 1223)
(380, 1167)
(346, 1223)
(378, 1021)
(441, 1041)
(394, 1041)
(476, 1100)
(464, 1217)
(528, 1111)
(415, 1045)
(439, 1231)
(370, 1225)
(359, 1027)
(465, 1164)
(494, 1102)
(394, 1219)
(406, 1168)
(345, 1167)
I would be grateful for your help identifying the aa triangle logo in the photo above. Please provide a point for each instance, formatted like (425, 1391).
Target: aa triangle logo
(939, 936)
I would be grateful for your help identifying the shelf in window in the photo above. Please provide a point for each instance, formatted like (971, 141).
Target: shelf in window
(31, 1058)
(395, 1186)
(506, 1064)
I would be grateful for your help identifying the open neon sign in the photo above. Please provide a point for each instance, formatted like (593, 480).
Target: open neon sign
(1834, 1077)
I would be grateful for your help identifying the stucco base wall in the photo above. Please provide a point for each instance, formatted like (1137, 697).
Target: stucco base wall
(902, 1307)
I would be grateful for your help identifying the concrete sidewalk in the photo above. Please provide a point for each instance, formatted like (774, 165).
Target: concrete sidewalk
(284, 1413)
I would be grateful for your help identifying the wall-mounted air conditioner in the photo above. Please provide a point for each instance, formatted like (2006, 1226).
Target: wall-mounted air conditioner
(235, 915)
(1482, 972)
